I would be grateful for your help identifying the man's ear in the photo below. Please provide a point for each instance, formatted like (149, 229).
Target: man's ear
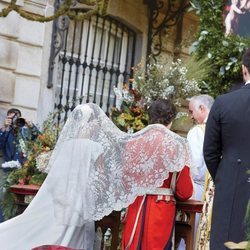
(202, 107)
(244, 71)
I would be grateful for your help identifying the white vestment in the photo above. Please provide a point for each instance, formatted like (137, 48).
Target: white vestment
(195, 139)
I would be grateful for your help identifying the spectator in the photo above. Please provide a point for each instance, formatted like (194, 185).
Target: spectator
(13, 135)
(15, 131)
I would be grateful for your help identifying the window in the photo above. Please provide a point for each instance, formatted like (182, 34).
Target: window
(98, 54)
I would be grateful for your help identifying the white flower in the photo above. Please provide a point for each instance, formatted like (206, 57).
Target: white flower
(23, 147)
(225, 43)
(42, 161)
(204, 32)
(119, 98)
(163, 81)
(11, 164)
(209, 55)
(181, 114)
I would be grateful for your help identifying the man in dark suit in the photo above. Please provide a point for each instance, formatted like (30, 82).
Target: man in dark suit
(227, 156)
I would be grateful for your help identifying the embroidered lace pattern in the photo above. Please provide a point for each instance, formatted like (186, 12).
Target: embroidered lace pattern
(96, 168)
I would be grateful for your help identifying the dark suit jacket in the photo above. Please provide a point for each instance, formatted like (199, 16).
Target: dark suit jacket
(227, 156)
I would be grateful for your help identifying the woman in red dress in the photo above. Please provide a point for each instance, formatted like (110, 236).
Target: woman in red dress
(149, 221)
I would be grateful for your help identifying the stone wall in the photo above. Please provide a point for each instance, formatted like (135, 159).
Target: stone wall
(134, 14)
(21, 50)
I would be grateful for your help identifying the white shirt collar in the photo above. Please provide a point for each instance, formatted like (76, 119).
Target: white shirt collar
(205, 120)
(247, 82)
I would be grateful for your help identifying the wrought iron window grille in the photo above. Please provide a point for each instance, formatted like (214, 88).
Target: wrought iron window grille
(88, 58)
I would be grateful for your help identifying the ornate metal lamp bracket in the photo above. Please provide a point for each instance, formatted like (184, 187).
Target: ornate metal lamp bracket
(163, 14)
(60, 27)
(61, 21)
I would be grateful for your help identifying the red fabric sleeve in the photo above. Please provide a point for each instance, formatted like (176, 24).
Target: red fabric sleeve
(184, 185)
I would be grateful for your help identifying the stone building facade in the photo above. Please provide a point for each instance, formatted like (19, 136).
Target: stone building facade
(25, 52)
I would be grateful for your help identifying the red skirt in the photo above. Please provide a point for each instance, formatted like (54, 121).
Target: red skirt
(154, 231)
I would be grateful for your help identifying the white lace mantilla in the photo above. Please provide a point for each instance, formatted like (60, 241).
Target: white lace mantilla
(96, 168)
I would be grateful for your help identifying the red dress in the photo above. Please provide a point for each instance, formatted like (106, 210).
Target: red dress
(156, 219)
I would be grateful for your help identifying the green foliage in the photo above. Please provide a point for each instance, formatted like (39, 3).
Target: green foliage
(176, 81)
(30, 173)
(131, 116)
(160, 80)
(98, 7)
(9, 206)
(38, 179)
(223, 53)
(199, 70)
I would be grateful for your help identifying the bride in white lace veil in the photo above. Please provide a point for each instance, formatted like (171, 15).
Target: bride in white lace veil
(95, 168)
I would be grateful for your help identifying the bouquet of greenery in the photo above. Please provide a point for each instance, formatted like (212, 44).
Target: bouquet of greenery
(33, 170)
(163, 81)
(150, 82)
(130, 114)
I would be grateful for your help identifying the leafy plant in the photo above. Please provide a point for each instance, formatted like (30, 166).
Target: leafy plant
(150, 82)
(29, 173)
(223, 53)
(45, 142)
(248, 224)
(162, 81)
(130, 114)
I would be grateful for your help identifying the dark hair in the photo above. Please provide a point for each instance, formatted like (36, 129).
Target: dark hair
(162, 111)
(246, 59)
(13, 110)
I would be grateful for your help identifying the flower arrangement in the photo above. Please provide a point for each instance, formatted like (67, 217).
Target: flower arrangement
(162, 81)
(34, 169)
(150, 83)
(42, 161)
(129, 115)
(43, 145)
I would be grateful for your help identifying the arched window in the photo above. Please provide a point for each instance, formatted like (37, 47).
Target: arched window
(97, 54)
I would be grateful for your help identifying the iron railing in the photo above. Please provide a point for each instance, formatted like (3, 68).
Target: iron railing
(95, 55)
